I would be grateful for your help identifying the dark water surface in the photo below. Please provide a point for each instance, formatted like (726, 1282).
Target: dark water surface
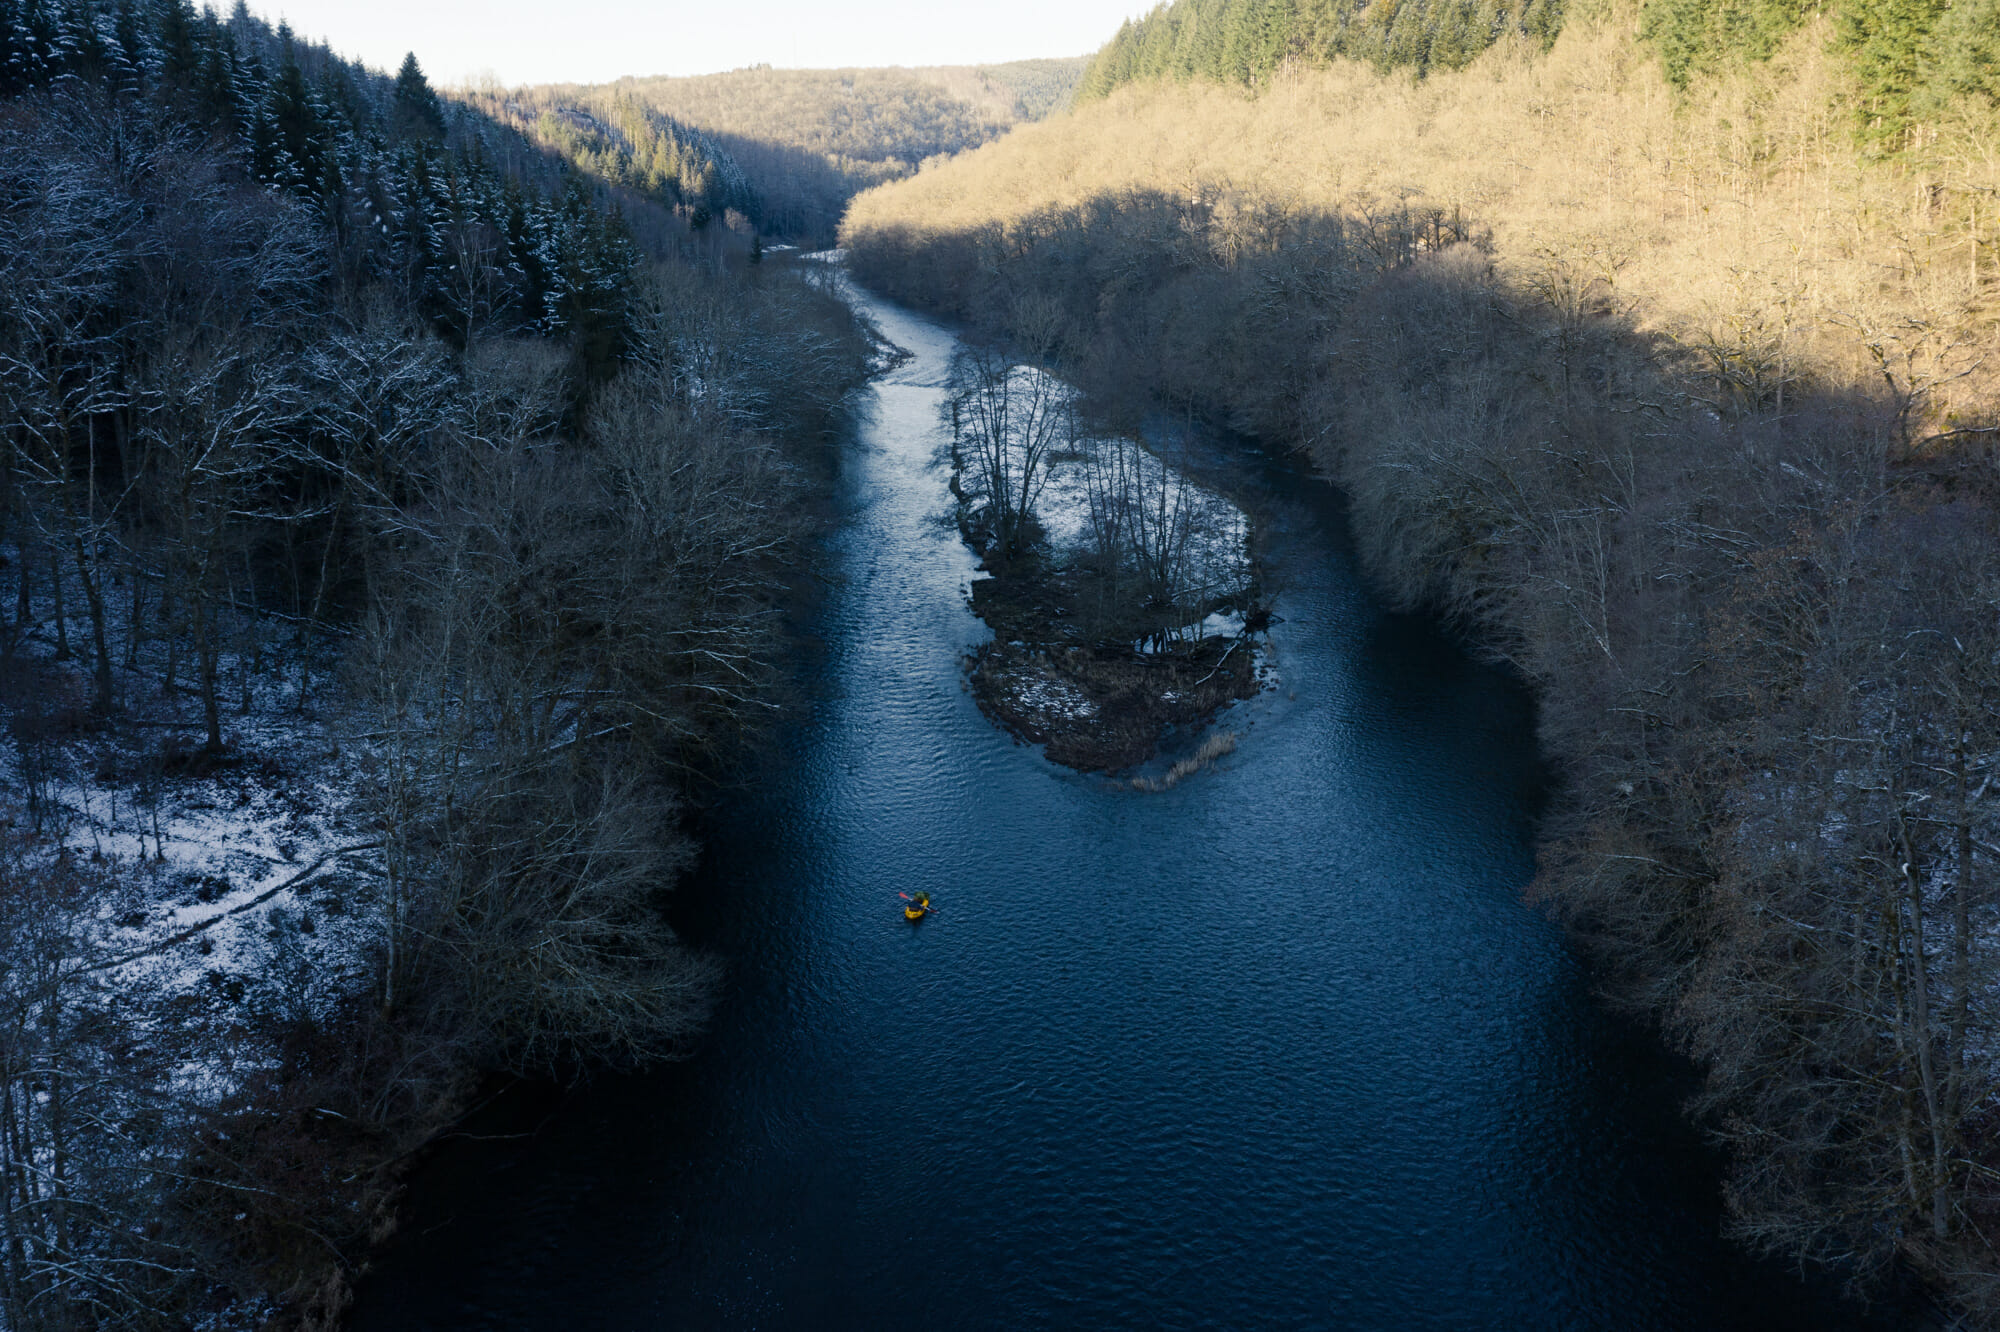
(1278, 1048)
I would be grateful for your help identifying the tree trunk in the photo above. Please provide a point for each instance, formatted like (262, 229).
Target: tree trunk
(206, 654)
(93, 597)
(24, 600)
(167, 612)
(1923, 1037)
(132, 630)
(62, 621)
(319, 599)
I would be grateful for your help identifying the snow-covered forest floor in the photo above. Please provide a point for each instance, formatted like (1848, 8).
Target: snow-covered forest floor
(179, 923)
(227, 891)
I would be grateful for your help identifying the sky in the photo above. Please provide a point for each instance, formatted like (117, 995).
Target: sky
(592, 41)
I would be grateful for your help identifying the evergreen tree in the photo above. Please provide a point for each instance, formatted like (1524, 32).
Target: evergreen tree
(1886, 40)
(180, 53)
(1697, 37)
(341, 99)
(15, 52)
(1275, 30)
(417, 110)
(296, 122)
(128, 50)
(1244, 41)
(1406, 42)
(1541, 20)
(215, 84)
(79, 48)
(1961, 58)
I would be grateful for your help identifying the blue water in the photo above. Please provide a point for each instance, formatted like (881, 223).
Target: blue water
(1281, 1047)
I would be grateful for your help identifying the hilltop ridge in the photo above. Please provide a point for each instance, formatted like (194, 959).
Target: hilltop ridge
(785, 148)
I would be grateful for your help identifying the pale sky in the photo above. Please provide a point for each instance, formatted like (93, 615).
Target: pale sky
(592, 41)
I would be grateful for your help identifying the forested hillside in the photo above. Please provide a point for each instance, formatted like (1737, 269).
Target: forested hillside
(1910, 62)
(786, 148)
(389, 546)
(621, 144)
(1912, 58)
(1673, 383)
(1015, 91)
(1246, 41)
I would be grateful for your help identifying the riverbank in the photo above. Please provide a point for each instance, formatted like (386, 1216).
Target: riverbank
(1749, 572)
(312, 872)
(1105, 708)
(1280, 1046)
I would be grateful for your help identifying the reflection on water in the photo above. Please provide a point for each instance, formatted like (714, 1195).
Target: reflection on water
(1279, 1047)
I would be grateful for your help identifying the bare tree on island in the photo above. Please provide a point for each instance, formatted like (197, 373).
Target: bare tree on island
(1006, 421)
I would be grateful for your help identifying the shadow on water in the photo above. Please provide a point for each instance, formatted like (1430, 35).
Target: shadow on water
(1278, 1047)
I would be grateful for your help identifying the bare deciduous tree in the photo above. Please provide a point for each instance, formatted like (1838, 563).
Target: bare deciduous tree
(1006, 420)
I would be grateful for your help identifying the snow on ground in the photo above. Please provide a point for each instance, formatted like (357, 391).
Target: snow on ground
(226, 898)
(1052, 698)
(1215, 532)
(240, 909)
(244, 880)
(1064, 506)
(1218, 624)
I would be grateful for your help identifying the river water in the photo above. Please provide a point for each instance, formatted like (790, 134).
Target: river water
(1280, 1047)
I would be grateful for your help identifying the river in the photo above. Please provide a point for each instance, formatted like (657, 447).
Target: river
(1279, 1047)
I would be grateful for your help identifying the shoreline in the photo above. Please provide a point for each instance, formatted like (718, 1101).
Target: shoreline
(1097, 703)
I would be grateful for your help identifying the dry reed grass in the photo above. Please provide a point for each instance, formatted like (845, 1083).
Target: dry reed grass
(1216, 746)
